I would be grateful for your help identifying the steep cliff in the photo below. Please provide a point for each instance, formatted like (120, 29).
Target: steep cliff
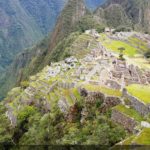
(23, 23)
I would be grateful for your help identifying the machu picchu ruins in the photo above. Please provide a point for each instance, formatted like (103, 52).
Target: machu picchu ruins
(100, 76)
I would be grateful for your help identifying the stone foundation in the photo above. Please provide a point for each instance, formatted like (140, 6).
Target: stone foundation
(66, 85)
(127, 122)
(113, 84)
(110, 102)
(142, 108)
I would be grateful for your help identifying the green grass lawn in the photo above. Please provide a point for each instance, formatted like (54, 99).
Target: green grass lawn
(142, 92)
(76, 93)
(128, 140)
(143, 138)
(66, 93)
(115, 44)
(105, 90)
(142, 45)
(129, 112)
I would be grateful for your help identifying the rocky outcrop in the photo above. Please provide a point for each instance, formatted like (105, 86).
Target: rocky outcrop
(74, 113)
(10, 115)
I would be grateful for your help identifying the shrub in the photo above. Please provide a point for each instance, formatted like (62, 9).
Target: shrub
(24, 84)
(26, 113)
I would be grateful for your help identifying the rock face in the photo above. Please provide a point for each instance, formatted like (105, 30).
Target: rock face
(116, 16)
(93, 97)
(124, 120)
(137, 11)
(72, 13)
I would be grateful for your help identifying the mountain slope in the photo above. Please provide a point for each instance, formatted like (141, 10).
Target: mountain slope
(116, 16)
(23, 23)
(56, 103)
(136, 10)
(40, 54)
(76, 87)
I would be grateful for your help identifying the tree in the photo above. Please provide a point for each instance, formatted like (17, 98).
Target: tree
(6, 131)
(24, 84)
(121, 49)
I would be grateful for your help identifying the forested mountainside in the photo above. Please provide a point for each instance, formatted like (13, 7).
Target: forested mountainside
(23, 23)
(136, 10)
(21, 68)
(85, 84)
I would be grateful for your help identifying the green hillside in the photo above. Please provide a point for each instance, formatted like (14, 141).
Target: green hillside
(24, 23)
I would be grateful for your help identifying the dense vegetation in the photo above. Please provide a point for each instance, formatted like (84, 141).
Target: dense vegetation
(23, 23)
(36, 127)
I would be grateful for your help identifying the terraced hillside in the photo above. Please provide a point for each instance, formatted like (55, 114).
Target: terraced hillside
(135, 45)
(89, 96)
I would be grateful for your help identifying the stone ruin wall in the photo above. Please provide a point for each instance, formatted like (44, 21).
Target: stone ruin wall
(66, 85)
(113, 84)
(142, 108)
(127, 122)
(110, 102)
(107, 101)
